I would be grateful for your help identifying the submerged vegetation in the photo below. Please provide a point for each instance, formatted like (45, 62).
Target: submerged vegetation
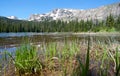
(110, 24)
(66, 58)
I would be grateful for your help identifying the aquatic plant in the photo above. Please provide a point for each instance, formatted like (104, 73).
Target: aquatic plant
(117, 59)
(82, 70)
(69, 58)
(26, 59)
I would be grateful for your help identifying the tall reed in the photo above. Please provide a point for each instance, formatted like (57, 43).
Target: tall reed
(117, 59)
(82, 70)
(26, 59)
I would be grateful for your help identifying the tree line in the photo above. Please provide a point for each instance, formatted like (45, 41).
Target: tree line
(110, 24)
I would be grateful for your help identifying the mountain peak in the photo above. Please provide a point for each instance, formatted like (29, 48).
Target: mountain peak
(78, 14)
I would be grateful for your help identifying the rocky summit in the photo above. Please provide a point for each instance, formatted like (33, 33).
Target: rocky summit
(99, 13)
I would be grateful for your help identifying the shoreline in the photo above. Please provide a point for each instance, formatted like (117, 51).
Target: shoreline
(20, 34)
(14, 39)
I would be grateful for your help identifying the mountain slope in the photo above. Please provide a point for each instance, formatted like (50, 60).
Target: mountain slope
(72, 14)
(12, 17)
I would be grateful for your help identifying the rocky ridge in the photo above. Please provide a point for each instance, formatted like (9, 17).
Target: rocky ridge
(72, 14)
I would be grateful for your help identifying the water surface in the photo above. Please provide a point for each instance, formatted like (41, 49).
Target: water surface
(9, 41)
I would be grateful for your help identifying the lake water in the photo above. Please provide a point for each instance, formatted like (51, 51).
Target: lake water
(9, 41)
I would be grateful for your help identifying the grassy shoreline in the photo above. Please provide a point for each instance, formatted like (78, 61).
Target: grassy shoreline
(67, 58)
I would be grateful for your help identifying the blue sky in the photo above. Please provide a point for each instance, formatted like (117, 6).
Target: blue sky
(24, 8)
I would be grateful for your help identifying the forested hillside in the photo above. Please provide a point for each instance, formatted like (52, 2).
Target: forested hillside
(110, 24)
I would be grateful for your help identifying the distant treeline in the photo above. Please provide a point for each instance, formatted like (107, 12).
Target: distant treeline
(110, 24)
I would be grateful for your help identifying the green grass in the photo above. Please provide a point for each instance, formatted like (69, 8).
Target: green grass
(82, 70)
(27, 60)
(51, 50)
(117, 59)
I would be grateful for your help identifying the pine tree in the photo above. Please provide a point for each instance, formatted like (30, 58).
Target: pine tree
(110, 21)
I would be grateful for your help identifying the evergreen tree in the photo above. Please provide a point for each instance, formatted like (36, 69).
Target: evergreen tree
(110, 21)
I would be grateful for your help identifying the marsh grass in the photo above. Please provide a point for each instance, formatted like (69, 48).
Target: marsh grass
(51, 50)
(26, 60)
(82, 70)
(68, 58)
(117, 59)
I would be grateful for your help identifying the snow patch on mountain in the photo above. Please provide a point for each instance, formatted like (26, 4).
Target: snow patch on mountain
(12, 17)
(72, 14)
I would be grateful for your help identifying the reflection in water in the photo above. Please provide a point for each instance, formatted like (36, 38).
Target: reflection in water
(9, 41)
